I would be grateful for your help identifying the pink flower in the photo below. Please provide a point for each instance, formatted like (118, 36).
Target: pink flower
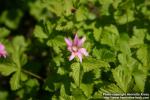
(3, 52)
(75, 47)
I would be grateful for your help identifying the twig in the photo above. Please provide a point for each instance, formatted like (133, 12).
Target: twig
(32, 74)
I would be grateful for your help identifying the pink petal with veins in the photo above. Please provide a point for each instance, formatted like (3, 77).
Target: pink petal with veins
(2, 51)
(2, 47)
(83, 51)
(81, 41)
(69, 49)
(76, 39)
(68, 42)
(79, 56)
(71, 57)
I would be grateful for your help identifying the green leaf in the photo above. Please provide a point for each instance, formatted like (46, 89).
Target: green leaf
(138, 37)
(58, 60)
(68, 5)
(97, 33)
(96, 53)
(140, 78)
(23, 59)
(145, 10)
(127, 61)
(105, 6)
(4, 32)
(123, 58)
(87, 89)
(31, 86)
(63, 95)
(13, 21)
(63, 24)
(76, 73)
(15, 81)
(122, 76)
(57, 43)
(116, 3)
(106, 89)
(4, 95)
(97, 73)
(32, 83)
(124, 16)
(148, 37)
(7, 69)
(37, 9)
(55, 7)
(16, 51)
(81, 14)
(97, 95)
(23, 77)
(78, 94)
(19, 46)
(123, 44)
(20, 93)
(110, 36)
(62, 71)
(39, 32)
(112, 88)
(143, 55)
(91, 64)
(104, 54)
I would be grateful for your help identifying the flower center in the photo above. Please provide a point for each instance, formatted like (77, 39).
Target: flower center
(74, 48)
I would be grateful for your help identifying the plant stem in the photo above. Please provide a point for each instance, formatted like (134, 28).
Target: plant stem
(32, 74)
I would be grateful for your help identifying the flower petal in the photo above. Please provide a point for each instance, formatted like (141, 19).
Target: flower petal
(81, 41)
(76, 39)
(3, 52)
(2, 47)
(71, 57)
(69, 49)
(79, 56)
(68, 42)
(83, 51)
